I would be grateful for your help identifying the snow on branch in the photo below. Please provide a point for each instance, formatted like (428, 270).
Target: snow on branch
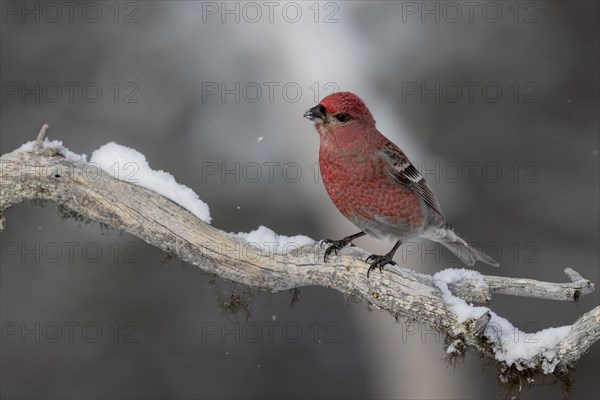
(174, 221)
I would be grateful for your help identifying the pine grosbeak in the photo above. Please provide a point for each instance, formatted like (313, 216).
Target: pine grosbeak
(374, 184)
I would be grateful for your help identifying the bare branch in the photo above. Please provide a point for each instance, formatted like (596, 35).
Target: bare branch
(584, 332)
(48, 175)
(471, 290)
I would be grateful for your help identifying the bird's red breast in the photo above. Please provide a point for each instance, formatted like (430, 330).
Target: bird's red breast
(357, 179)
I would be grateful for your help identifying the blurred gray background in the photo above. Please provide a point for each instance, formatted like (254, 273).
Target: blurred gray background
(497, 103)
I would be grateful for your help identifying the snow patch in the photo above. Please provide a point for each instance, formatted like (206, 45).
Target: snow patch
(129, 165)
(265, 238)
(509, 344)
(459, 307)
(455, 275)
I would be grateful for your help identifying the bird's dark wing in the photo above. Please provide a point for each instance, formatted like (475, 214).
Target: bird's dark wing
(403, 171)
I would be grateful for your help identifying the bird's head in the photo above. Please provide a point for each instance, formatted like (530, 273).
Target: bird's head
(341, 109)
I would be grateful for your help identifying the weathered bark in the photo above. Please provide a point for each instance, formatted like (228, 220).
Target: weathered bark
(44, 174)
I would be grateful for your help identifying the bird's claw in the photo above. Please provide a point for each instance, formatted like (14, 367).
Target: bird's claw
(334, 246)
(324, 242)
(379, 262)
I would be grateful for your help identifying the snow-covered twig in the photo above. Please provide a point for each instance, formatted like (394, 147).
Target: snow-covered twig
(44, 170)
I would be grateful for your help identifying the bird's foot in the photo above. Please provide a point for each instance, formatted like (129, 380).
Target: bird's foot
(335, 246)
(379, 262)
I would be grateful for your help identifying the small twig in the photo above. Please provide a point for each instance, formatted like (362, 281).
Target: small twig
(481, 323)
(574, 276)
(39, 141)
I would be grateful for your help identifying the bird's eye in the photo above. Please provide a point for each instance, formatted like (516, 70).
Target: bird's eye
(342, 117)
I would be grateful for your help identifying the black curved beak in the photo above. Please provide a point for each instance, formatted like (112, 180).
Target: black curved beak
(316, 114)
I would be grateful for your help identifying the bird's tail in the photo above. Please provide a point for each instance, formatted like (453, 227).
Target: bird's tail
(466, 253)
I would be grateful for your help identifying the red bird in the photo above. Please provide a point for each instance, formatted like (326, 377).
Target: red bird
(374, 184)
